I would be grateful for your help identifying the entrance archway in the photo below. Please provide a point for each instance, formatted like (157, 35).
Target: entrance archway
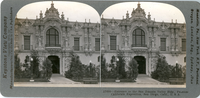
(56, 64)
(141, 64)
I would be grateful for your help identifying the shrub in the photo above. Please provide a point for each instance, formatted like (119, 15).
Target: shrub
(75, 68)
(35, 63)
(103, 67)
(47, 69)
(184, 72)
(18, 72)
(133, 69)
(121, 65)
(177, 71)
(162, 71)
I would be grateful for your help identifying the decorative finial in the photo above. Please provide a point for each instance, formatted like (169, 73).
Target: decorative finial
(52, 4)
(89, 20)
(138, 4)
(102, 15)
(62, 16)
(127, 15)
(172, 20)
(176, 20)
(149, 16)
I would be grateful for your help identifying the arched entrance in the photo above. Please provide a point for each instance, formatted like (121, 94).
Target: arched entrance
(56, 64)
(141, 64)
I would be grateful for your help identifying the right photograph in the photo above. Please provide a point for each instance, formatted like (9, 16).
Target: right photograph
(143, 44)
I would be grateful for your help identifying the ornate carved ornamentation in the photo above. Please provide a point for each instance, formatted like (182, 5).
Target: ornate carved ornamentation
(53, 50)
(76, 26)
(139, 50)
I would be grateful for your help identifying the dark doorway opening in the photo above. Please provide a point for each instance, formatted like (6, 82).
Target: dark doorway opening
(56, 64)
(141, 64)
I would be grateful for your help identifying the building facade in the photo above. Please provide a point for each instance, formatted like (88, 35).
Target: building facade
(54, 37)
(140, 37)
(137, 35)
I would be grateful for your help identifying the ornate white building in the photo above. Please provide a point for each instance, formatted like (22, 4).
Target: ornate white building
(141, 38)
(54, 37)
(138, 36)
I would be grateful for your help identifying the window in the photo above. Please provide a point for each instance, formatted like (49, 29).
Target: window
(113, 43)
(163, 44)
(183, 44)
(138, 38)
(97, 44)
(98, 59)
(26, 42)
(184, 59)
(52, 37)
(76, 43)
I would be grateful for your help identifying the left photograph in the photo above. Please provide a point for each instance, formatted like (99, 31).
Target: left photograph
(57, 44)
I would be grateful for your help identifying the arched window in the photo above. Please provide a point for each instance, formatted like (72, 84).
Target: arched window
(138, 39)
(52, 37)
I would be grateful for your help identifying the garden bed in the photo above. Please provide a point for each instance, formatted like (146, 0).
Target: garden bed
(113, 80)
(176, 81)
(28, 80)
(163, 80)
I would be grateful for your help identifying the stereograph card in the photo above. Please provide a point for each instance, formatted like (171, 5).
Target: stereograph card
(98, 48)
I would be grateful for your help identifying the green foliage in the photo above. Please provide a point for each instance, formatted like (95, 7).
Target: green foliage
(184, 72)
(121, 65)
(162, 71)
(176, 71)
(112, 73)
(103, 67)
(35, 63)
(133, 69)
(77, 70)
(75, 67)
(47, 69)
(18, 72)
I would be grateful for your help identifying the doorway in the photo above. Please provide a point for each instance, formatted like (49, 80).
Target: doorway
(56, 64)
(141, 64)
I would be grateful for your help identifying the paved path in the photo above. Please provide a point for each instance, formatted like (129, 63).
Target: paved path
(58, 80)
(145, 79)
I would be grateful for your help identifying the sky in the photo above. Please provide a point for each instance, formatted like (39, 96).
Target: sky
(80, 11)
(159, 11)
(73, 10)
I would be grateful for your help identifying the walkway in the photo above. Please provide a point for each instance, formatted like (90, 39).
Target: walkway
(57, 80)
(145, 79)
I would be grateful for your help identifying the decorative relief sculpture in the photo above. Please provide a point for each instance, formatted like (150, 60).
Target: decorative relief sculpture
(40, 41)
